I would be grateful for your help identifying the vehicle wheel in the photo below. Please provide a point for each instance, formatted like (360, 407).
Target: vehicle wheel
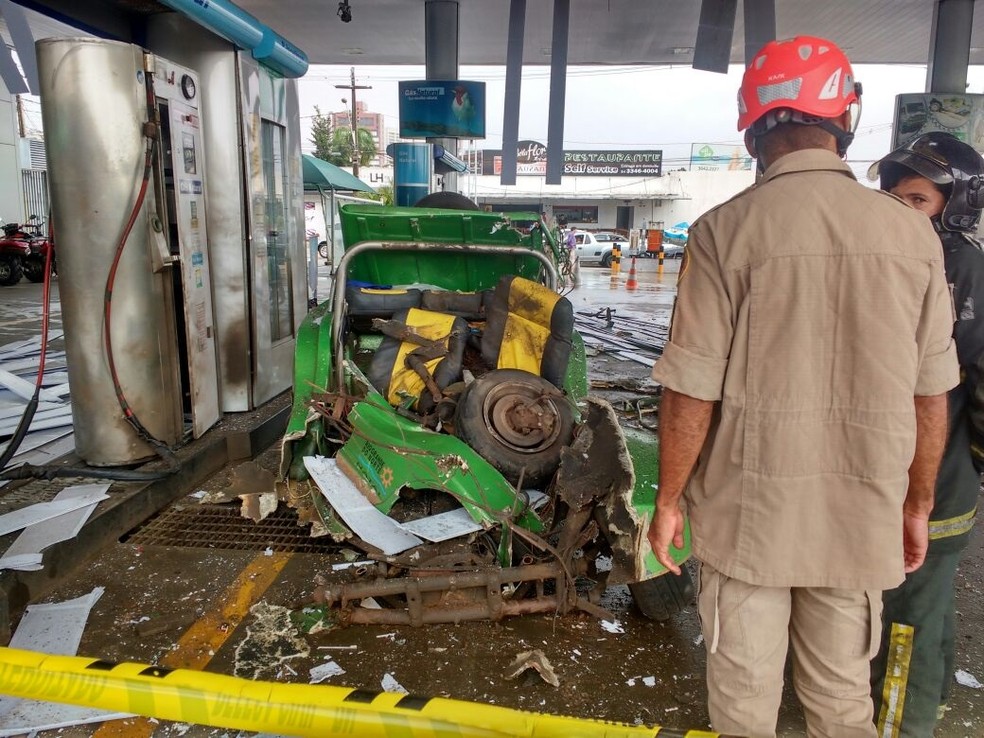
(34, 268)
(10, 270)
(518, 422)
(323, 249)
(606, 259)
(662, 597)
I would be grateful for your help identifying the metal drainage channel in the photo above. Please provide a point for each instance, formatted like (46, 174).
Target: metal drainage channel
(41, 490)
(222, 527)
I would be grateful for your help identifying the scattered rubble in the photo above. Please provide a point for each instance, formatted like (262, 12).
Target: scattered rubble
(271, 640)
(533, 661)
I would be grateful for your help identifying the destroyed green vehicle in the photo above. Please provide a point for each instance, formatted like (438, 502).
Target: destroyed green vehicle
(441, 425)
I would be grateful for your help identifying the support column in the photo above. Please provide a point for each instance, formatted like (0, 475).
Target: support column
(514, 81)
(441, 37)
(760, 25)
(558, 91)
(715, 30)
(949, 51)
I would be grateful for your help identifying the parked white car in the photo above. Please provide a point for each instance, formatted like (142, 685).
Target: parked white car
(596, 248)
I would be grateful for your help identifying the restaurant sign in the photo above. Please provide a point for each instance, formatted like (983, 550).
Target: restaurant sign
(531, 159)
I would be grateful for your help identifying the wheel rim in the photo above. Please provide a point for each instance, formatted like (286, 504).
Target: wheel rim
(522, 418)
(5, 269)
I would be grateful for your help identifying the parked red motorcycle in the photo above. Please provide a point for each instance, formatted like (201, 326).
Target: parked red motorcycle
(22, 251)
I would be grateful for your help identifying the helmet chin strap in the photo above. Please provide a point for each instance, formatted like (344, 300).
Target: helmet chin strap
(844, 138)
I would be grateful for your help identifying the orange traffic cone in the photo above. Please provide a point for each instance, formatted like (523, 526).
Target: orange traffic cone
(630, 283)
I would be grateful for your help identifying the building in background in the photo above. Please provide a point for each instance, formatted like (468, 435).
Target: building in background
(375, 123)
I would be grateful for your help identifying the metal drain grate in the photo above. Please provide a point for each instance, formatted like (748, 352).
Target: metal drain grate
(221, 526)
(42, 490)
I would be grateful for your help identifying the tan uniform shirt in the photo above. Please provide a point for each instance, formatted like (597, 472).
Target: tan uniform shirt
(813, 310)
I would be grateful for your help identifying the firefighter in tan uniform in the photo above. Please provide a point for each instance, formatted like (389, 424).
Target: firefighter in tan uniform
(804, 405)
(912, 674)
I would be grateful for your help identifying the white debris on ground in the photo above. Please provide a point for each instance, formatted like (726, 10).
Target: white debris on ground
(54, 628)
(612, 626)
(271, 640)
(966, 679)
(389, 684)
(50, 434)
(324, 671)
(25, 553)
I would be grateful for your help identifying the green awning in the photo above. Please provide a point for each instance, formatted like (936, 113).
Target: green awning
(322, 175)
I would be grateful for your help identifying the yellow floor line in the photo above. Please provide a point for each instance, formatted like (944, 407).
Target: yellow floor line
(205, 637)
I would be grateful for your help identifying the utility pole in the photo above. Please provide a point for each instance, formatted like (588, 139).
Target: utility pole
(356, 151)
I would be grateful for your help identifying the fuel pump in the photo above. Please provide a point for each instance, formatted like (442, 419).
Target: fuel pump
(125, 161)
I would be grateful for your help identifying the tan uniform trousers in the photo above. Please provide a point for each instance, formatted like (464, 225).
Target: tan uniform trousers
(747, 630)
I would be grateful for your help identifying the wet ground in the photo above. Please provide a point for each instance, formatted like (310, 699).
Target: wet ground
(636, 672)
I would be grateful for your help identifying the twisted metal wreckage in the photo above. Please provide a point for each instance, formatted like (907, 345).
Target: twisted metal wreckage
(442, 424)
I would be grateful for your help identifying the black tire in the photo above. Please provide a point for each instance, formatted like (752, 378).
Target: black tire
(662, 597)
(323, 249)
(10, 270)
(446, 200)
(518, 422)
(606, 259)
(34, 268)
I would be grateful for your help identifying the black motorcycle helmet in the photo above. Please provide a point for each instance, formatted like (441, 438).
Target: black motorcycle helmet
(953, 166)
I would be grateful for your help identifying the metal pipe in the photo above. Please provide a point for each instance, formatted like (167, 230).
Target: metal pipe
(240, 28)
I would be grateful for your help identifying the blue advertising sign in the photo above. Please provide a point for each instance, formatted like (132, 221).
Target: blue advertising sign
(442, 109)
(413, 168)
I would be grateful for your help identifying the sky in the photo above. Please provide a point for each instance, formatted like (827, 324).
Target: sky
(633, 107)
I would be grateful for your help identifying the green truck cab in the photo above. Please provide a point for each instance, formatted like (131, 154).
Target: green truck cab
(441, 424)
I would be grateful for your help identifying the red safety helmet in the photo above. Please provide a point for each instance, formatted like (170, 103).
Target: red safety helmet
(804, 80)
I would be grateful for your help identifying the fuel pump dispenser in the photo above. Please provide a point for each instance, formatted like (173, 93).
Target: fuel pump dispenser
(125, 161)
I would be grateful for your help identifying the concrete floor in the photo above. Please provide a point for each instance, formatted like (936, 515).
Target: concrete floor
(201, 614)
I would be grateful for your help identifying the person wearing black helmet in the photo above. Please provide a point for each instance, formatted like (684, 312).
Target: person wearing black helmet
(913, 671)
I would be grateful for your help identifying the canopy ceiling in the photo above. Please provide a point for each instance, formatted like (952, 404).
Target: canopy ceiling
(601, 31)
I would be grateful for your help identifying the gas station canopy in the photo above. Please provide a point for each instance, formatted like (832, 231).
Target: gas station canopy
(601, 32)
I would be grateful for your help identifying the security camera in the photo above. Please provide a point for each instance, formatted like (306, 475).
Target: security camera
(345, 11)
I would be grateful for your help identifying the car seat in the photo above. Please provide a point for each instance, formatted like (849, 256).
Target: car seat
(529, 327)
(420, 355)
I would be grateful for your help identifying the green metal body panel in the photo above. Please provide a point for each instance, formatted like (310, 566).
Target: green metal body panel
(391, 452)
(312, 364)
(644, 450)
(462, 271)
(576, 381)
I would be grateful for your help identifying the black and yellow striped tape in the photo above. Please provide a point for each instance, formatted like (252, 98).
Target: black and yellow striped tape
(318, 711)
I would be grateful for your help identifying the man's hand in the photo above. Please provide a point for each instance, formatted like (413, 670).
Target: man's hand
(915, 539)
(667, 527)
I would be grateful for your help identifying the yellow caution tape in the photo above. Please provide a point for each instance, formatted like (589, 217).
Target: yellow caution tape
(318, 711)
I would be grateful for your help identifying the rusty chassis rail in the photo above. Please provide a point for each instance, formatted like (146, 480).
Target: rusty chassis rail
(418, 588)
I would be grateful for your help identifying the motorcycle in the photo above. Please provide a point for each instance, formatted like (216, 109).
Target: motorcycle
(23, 248)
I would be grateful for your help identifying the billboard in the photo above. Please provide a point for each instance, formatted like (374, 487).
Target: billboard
(531, 159)
(719, 158)
(958, 113)
(442, 109)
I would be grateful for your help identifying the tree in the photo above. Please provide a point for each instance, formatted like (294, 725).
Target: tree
(321, 135)
(341, 148)
(384, 193)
